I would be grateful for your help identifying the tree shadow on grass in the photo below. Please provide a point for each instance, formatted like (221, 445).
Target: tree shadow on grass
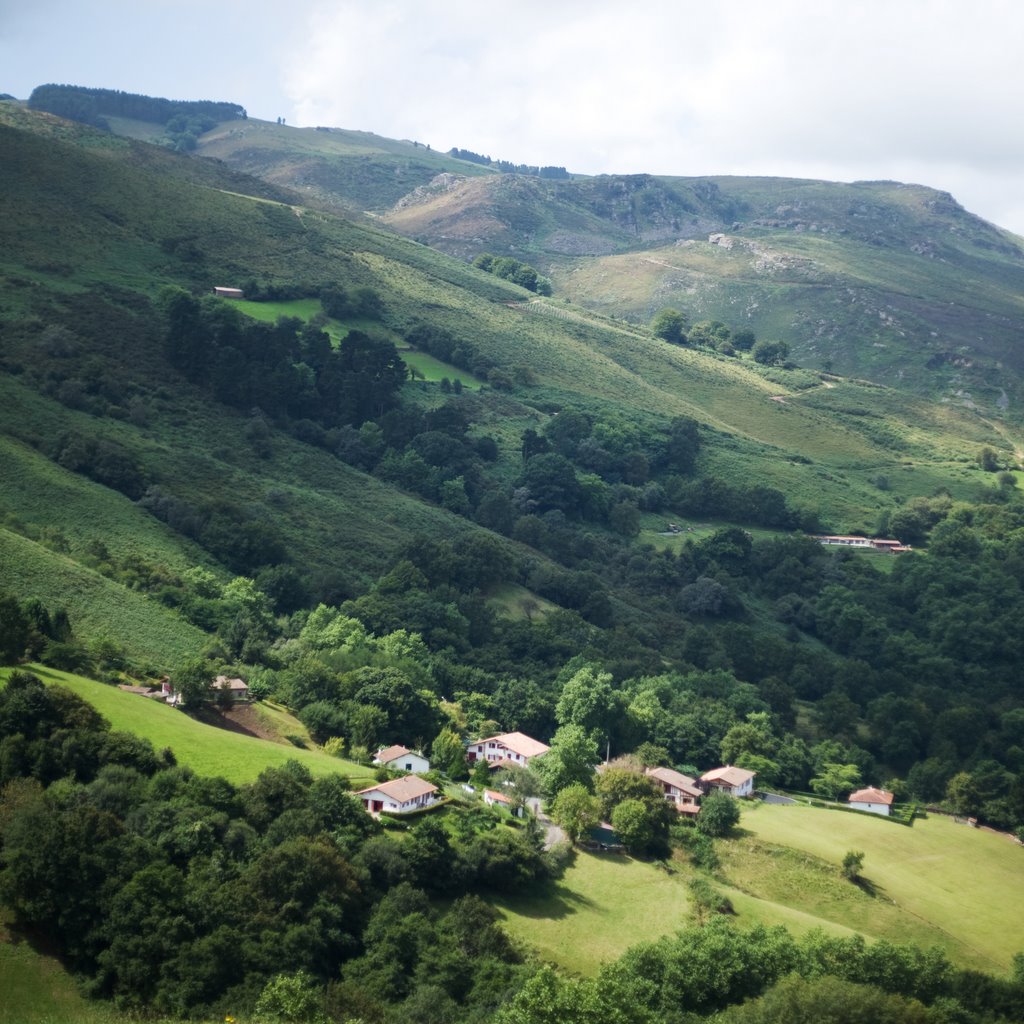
(551, 901)
(869, 888)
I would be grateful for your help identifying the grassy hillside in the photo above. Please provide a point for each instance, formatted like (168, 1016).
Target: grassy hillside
(935, 884)
(95, 225)
(340, 168)
(878, 279)
(206, 749)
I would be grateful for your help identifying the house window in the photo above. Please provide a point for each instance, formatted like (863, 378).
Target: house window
(408, 766)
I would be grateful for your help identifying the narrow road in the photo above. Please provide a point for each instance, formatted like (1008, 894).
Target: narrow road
(553, 834)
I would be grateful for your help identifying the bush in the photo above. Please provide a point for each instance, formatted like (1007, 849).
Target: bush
(719, 814)
(852, 864)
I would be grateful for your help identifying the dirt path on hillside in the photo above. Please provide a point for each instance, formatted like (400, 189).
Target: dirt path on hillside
(241, 718)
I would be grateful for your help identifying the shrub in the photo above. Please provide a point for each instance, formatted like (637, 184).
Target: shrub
(719, 814)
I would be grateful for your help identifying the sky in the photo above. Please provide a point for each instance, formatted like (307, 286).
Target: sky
(924, 91)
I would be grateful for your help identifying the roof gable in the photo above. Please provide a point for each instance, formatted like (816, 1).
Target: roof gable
(730, 775)
(871, 795)
(518, 743)
(673, 778)
(390, 753)
(402, 790)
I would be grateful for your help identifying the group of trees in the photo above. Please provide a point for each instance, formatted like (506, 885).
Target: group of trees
(507, 167)
(186, 895)
(765, 975)
(29, 630)
(285, 369)
(184, 120)
(509, 269)
(673, 326)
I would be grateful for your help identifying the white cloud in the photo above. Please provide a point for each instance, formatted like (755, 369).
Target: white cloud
(793, 87)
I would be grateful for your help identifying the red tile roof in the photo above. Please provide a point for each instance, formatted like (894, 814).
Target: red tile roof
(730, 775)
(871, 796)
(386, 754)
(518, 743)
(402, 790)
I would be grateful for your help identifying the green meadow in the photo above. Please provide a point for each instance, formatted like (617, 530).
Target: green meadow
(935, 884)
(604, 904)
(963, 887)
(207, 749)
(36, 989)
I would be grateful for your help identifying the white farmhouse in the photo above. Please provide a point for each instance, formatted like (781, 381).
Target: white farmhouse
(399, 796)
(731, 780)
(401, 759)
(680, 789)
(514, 747)
(877, 801)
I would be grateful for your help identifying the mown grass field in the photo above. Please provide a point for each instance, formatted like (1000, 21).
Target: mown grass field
(935, 884)
(962, 886)
(604, 904)
(205, 748)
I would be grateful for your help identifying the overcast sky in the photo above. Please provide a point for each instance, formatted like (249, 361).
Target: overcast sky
(927, 91)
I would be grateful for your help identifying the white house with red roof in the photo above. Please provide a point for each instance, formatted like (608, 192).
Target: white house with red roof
(401, 759)
(399, 796)
(730, 779)
(683, 791)
(877, 801)
(513, 747)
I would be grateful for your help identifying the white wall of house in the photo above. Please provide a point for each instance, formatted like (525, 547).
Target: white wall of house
(390, 804)
(410, 762)
(493, 751)
(857, 805)
(744, 788)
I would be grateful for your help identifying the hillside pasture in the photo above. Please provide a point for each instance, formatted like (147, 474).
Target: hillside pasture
(935, 884)
(434, 370)
(204, 748)
(604, 904)
(149, 633)
(953, 886)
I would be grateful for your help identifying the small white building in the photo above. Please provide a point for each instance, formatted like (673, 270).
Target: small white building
(399, 796)
(228, 293)
(683, 791)
(401, 759)
(731, 780)
(877, 801)
(514, 747)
